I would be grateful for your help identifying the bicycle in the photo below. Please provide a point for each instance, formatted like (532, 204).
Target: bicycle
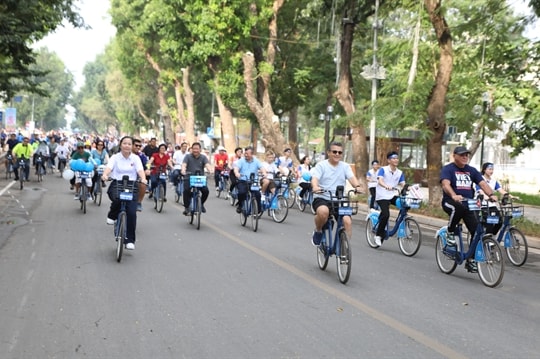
(287, 191)
(125, 193)
(22, 172)
(83, 189)
(233, 196)
(179, 189)
(250, 206)
(9, 165)
(223, 184)
(159, 191)
(483, 249)
(305, 200)
(98, 189)
(335, 240)
(39, 167)
(515, 242)
(196, 182)
(275, 204)
(408, 231)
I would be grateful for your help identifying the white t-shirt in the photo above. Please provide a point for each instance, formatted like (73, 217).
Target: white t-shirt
(122, 166)
(178, 158)
(331, 176)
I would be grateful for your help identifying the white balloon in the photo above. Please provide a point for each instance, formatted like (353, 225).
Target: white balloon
(68, 174)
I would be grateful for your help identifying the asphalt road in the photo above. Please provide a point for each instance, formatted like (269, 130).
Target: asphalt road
(226, 292)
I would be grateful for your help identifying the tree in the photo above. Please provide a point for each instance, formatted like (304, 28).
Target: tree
(16, 55)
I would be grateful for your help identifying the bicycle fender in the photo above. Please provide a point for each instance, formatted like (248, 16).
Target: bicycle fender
(479, 254)
(374, 216)
(442, 233)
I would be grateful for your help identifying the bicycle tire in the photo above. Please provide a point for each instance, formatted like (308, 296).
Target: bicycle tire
(323, 251)
(21, 178)
(199, 211)
(410, 244)
(280, 213)
(39, 173)
(98, 193)
(192, 208)
(491, 268)
(446, 263)
(161, 197)
(61, 167)
(120, 235)
(83, 195)
(254, 214)
(291, 197)
(218, 190)
(518, 251)
(370, 234)
(244, 211)
(343, 257)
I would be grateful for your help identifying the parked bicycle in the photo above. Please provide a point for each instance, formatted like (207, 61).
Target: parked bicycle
(515, 242)
(250, 206)
(335, 240)
(196, 182)
(125, 190)
(483, 255)
(408, 231)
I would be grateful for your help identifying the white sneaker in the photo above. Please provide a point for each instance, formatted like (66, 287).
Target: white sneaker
(373, 210)
(130, 246)
(76, 198)
(110, 221)
(378, 241)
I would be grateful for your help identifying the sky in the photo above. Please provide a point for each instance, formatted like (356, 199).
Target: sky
(76, 47)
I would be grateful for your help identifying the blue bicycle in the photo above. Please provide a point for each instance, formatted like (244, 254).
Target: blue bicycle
(275, 204)
(250, 206)
(158, 193)
(286, 190)
(482, 256)
(179, 189)
(196, 182)
(515, 242)
(408, 231)
(335, 240)
(223, 184)
(125, 193)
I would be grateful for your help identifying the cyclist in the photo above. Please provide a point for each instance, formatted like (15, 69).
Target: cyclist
(99, 156)
(270, 167)
(43, 150)
(11, 143)
(487, 173)
(221, 160)
(81, 154)
(388, 178)
(136, 149)
(194, 162)
(327, 175)
(238, 154)
(285, 163)
(151, 148)
(457, 179)
(125, 162)
(371, 178)
(161, 161)
(62, 152)
(243, 169)
(177, 159)
(303, 168)
(22, 150)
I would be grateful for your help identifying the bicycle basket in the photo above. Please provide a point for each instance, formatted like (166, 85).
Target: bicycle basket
(117, 191)
(489, 216)
(197, 181)
(473, 204)
(277, 182)
(513, 211)
(408, 202)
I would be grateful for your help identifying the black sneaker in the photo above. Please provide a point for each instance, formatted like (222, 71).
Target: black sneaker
(238, 209)
(316, 238)
(471, 266)
(203, 210)
(185, 213)
(450, 239)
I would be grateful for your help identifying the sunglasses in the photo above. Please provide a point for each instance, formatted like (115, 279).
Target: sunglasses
(137, 145)
(337, 152)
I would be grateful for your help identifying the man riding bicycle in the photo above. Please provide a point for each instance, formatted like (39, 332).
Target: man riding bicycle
(243, 169)
(327, 175)
(22, 151)
(194, 162)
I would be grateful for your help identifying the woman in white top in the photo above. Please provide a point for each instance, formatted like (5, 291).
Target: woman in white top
(121, 164)
(487, 173)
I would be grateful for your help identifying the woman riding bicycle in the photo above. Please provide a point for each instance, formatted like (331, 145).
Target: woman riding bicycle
(161, 160)
(194, 162)
(327, 175)
(304, 168)
(124, 163)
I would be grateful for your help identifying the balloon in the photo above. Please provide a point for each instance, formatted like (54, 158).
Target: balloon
(68, 174)
(88, 167)
(306, 176)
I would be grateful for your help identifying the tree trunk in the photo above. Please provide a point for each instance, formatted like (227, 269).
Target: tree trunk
(228, 133)
(436, 106)
(189, 99)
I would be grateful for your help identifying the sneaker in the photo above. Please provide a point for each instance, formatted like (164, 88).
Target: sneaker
(378, 241)
(89, 197)
(238, 209)
(185, 213)
(130, 246)
(139, 207)
(471, 266)
(316, 238)
(203, 210)
(450, 239)
(151, 195)
(372, 210)
(110, 221)
(76, 198)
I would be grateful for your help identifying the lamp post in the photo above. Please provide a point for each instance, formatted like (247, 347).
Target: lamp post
(487, 109)
(326, 120)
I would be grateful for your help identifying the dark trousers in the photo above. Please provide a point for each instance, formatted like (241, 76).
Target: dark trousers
(457, 211)
(242, 194)
(26, 169)
(131, 211)
(305, 187)
(187, 193)
(384, 205)
(372, 193)
(154, 180)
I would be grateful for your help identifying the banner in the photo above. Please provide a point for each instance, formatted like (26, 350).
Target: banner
(11, 119)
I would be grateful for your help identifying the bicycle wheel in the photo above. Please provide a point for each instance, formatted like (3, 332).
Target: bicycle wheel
(491, 267)
(410, 244)
(343, 258)
(290, 195)
(254, 214)
(192, 208)
(39, 174)
(518, 250)
(21, 177)
(120, 235)
(245, 210)
(280, 213)
(323, 251)
(199, 211)
(83, 195)
(97, 192)
(445, 260)
(370, 234)
(218, 190)
(61, 167)
(161, 197)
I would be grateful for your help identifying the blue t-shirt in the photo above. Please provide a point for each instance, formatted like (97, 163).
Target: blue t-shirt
(246, 168)
(331, 176)
(461, 179)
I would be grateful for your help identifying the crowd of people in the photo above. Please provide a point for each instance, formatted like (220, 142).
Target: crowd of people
(143, 161)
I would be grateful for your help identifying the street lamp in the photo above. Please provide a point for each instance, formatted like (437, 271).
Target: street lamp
(326, 120)
(486, 108)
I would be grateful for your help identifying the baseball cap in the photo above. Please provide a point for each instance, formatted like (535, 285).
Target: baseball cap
(459, 150)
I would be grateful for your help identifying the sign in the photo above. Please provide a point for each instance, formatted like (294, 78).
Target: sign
(210, 131)
(11, 118)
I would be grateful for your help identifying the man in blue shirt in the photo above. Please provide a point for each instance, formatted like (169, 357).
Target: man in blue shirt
(243, 169)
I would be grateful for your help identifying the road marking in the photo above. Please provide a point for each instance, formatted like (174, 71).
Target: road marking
(372, 312)
(7, 187)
